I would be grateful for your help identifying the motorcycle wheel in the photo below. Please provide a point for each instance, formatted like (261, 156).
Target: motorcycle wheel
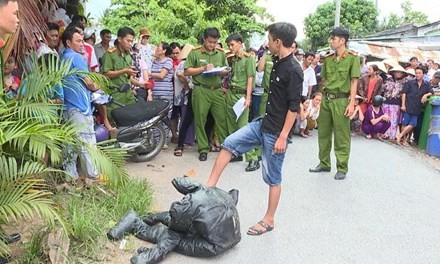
(140, 156)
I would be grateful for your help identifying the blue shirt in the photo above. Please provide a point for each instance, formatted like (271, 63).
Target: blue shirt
(56, 92)
(76, 93)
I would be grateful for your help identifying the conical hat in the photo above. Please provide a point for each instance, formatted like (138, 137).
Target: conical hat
(379, 64)
(398, 68)
(411, 71)
(185, 51)
(393, 62)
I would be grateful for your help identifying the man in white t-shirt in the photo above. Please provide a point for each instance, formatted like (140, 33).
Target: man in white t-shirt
(309, 75)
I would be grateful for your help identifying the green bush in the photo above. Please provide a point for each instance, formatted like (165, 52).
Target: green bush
(91, 212)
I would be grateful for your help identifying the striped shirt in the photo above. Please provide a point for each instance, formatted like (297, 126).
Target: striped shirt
(163, 86)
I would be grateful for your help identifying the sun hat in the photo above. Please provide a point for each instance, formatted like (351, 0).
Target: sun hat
(411, 71)
(393, 62)
(88, 32)
(144, 32)
(185, 51)
(379, 64)
(398, 68)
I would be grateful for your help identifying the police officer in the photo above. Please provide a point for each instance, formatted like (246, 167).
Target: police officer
(340, 72)
(117, 66)
(207, 94)
(242, 83)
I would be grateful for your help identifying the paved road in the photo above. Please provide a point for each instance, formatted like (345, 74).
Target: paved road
(386, 211)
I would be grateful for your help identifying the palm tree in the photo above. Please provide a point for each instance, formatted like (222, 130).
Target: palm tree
(31, 129)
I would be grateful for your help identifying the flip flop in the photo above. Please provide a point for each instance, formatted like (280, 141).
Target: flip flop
(178, 152)
(254, 231)
(215, 149)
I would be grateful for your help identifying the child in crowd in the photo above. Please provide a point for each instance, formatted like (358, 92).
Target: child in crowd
(314, 106)
(375, 123)
(11, 82)
(357, 117)
(302, 118)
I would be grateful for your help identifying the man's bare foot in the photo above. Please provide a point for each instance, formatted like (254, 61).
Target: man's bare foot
(398, 139)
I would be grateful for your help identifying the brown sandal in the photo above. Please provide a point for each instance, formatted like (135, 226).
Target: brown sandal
(178, 151)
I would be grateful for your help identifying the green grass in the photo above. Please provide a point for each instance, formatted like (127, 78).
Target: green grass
(35, 249)
(90, 213)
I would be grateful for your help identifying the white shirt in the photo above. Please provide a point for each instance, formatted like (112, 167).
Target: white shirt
(309, 80)
(99, 51)
(44, 49)
(178, 85)
(312, 110)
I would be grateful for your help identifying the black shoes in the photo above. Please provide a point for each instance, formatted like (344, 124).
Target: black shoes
(235, 159)
(319, 169)
(340, 175)
(5, 259)
(9, 239)
(203, 156)
(253, 165)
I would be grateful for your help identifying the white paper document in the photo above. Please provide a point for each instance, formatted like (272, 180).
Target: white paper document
(238, 108)
(215, 70)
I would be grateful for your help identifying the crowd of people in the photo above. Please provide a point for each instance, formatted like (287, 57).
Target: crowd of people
(278, 85)
(388, 103)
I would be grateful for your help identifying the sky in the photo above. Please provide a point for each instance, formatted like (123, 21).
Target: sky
(285, 10)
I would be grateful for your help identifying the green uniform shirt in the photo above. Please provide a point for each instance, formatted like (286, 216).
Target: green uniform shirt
(268, 65)
(114, 61)
(199, 57)
(243, 67)
(338, 74)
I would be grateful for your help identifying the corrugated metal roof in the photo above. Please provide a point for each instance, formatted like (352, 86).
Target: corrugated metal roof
(402, 51)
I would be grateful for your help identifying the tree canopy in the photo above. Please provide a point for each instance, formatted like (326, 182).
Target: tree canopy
(409, 16)
(359, 16)
(185, 21)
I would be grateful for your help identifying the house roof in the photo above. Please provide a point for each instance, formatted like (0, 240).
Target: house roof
(402, 51)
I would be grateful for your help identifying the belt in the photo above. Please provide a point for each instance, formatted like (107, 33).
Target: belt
(336, 95)
(208, 87)
(237, 91)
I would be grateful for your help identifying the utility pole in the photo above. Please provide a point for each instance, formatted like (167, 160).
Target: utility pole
(338, 13)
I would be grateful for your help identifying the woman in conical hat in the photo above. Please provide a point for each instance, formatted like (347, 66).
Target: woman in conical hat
(392, 93)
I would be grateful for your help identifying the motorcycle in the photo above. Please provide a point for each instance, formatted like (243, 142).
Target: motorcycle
(140, 130)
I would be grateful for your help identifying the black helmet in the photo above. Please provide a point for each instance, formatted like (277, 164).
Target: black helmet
(378, 100)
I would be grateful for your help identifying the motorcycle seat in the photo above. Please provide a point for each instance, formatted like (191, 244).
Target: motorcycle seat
(130, 115)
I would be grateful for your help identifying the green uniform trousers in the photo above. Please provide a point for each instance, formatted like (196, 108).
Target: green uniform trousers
(203, 101)
(263, 103)
(332, 120)
(234, 124)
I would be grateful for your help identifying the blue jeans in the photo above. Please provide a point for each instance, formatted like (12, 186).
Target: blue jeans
(86, 133)
(249, 137)
(409, 119)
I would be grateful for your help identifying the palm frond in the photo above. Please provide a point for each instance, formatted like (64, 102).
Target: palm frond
(110, 161)
(24, 195)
